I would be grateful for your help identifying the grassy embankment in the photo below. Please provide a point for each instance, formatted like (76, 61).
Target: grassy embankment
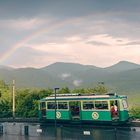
(134, 104)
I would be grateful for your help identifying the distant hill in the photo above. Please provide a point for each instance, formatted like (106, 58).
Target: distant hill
(61, 67)
(5, 67)
(123, 66)
(121, 77)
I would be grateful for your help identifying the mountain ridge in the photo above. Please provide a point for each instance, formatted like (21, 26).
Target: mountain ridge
(123, 76)
(122, 66)
(69, 63)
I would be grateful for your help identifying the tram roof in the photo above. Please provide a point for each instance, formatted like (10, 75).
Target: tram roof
(78, 97)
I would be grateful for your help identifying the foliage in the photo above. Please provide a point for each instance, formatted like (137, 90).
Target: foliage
(5, 102)
(79, 90)
(135, 111)
(27, 102)
(100, 89)
(5, 109)
(3, 85)
(64, 90)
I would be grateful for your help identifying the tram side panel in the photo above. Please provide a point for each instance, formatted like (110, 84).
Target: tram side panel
(62, 110)
(61, 115)
(42, 110)
(96, 110)
(100, 110)
(96, 115)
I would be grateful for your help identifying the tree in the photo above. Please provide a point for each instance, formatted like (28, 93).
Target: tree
(5, 100)
(27, 101)
(5, 108)
(64, 90)
(3, 85)
(135, 111)
(45, 92)
(79, 90)
(100, 89)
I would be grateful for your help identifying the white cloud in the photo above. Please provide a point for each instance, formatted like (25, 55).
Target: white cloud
(73, 38)
(86, 53)
(96, 40)
(107, 39)
(65, 75)
(77, 82)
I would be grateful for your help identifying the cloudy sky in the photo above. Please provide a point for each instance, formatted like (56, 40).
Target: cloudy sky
(36, 33)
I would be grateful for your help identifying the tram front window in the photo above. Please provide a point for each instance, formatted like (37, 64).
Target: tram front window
(124, 103)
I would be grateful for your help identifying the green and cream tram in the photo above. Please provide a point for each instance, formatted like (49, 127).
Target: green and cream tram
(84, 108)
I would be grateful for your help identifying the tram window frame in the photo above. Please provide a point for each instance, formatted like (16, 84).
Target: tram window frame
(101, 107)
(86, 103)
(43, 105)
(53, 105)
(63, 107)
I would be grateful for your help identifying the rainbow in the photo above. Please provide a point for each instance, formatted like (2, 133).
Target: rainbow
(21, 43)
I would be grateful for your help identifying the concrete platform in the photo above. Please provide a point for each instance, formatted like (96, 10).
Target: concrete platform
(136, 123)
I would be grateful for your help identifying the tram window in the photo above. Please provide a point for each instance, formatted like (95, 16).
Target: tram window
(88, 105)
(62, 105)
(42, 105)
(124, 103)
(101, 104)
(51, 105)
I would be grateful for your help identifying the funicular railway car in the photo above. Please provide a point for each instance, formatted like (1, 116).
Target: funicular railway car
(84, 108)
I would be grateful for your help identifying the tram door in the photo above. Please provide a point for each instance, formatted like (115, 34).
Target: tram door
(114, 109)
(75, 107)
(43, 109)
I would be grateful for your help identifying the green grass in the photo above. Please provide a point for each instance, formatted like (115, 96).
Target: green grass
(134, 100)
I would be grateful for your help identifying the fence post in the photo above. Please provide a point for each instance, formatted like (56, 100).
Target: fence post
(115, 131)
(26, 130)
(1, 129)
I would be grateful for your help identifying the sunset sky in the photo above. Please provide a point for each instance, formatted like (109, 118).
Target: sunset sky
(36, 33)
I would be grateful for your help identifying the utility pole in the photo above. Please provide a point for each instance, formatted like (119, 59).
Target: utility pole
(55, 91)
(13, 97)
